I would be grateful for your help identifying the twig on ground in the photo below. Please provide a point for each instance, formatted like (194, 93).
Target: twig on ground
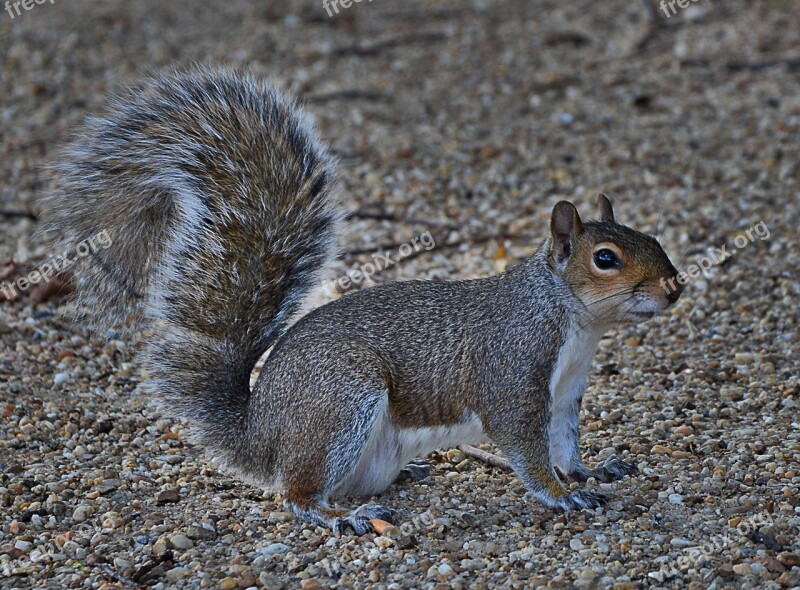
(486, 457)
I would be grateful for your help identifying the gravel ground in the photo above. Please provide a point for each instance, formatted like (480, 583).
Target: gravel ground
(470, 120)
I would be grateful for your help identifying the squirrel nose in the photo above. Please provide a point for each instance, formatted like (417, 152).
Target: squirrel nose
(672, 296)
(675, 290)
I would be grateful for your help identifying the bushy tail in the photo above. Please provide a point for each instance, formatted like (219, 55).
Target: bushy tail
(218, 203)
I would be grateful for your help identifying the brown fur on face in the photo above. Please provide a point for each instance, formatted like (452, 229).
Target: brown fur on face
(632, 292)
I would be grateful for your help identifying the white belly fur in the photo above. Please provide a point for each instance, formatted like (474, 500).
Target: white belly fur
(390, 449)
(567, 384)
(573, 365)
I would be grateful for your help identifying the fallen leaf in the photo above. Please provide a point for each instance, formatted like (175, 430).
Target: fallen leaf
(379, 525)
(60, 284)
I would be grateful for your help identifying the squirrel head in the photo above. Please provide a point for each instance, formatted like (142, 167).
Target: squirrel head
(618, 273)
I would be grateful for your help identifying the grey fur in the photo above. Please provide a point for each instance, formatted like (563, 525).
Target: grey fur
(219, 202)
(217, 197)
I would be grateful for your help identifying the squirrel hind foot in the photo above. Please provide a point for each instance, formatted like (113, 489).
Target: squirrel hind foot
(314, 512)
(359, 525)
(338, 520)
(371, 511)
(581, 499)
(614, 468)
(360, 519)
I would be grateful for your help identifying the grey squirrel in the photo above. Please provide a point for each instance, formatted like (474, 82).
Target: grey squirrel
(221, 205)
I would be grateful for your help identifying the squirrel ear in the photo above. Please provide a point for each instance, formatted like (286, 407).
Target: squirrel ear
(565, 224)
(606, 211)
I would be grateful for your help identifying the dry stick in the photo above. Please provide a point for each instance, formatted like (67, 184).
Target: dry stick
(486, 457)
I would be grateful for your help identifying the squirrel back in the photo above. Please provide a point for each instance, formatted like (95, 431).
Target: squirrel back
(219, 203)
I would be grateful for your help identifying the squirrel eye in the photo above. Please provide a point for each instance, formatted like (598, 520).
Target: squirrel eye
(606, 259)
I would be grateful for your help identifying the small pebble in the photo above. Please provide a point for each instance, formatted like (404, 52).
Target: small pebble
(181, 541)
(82, 513)
(274, 549)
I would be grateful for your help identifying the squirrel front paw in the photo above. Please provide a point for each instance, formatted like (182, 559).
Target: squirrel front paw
(580, 499)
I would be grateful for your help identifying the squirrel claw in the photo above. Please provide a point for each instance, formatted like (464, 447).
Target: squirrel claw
(359, 524)
(359, 519)
(581, 499)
